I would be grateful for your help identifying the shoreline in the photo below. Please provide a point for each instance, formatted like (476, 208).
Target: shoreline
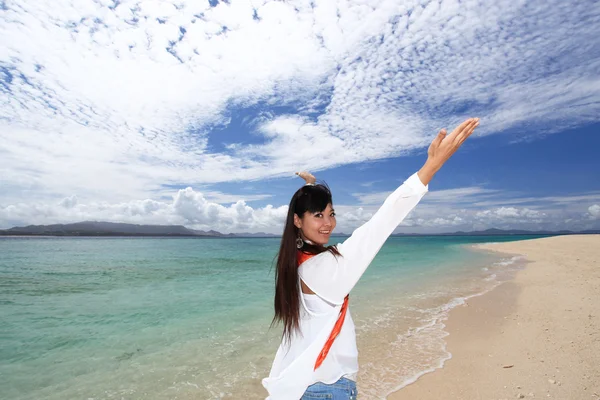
(511, 263)
(513, 341)
(413, 340)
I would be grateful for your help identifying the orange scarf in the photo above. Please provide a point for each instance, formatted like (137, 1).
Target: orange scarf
(338, 324)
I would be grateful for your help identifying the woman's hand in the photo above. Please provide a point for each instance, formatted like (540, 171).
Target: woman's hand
(442, 148)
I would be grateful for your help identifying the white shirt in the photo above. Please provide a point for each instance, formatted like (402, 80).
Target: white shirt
(332, 278)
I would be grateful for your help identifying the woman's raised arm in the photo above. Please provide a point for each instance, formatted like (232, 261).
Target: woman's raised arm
(334, 280)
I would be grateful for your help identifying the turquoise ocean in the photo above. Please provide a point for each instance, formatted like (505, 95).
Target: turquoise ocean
(189, 318)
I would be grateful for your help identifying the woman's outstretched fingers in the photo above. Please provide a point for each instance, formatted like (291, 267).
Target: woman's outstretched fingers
(472, 126)
(459, 129)
(467, 128)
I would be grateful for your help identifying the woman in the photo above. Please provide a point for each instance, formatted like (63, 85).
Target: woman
(318, 358)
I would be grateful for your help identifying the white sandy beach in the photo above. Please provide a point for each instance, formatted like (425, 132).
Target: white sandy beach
(536, 336)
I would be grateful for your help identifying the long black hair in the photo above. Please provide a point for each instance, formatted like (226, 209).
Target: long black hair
(309, 198)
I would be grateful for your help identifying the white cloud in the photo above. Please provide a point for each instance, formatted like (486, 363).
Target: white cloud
(115, 100)
(351, 217)
(477, 208)
(452, 220)
(187, 207)
(220, 197)
(455, 196)
(504, 213)
(193, 209)
(594, 211)
(68, 202)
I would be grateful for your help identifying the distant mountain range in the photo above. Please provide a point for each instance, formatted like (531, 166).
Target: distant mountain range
(94, 228)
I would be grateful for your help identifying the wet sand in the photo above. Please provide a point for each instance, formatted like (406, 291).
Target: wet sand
(536, 336)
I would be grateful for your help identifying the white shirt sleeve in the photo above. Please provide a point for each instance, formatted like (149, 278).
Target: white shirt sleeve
(331, 277)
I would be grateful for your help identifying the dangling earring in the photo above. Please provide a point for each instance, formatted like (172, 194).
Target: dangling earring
(299, 242)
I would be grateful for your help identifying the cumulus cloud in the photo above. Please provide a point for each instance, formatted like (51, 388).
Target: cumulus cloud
(504, 213)
(118, 100)
(195, 209)
(478, 208)
(594, 211)
(450, 221)
(187, 207)
(69, 202)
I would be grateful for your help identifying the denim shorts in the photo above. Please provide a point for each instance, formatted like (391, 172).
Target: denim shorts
(344, 389)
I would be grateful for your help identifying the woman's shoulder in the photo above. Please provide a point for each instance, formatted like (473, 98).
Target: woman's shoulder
(320, 258)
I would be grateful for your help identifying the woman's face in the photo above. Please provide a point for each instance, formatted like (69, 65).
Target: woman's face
(316, 227)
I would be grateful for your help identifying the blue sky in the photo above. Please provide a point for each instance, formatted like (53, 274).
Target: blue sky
(199, 113)
(560, 164)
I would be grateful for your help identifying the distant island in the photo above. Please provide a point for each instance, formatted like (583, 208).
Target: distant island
(95, 228)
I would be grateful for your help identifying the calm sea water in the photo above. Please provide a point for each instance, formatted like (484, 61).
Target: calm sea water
(147, 318)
